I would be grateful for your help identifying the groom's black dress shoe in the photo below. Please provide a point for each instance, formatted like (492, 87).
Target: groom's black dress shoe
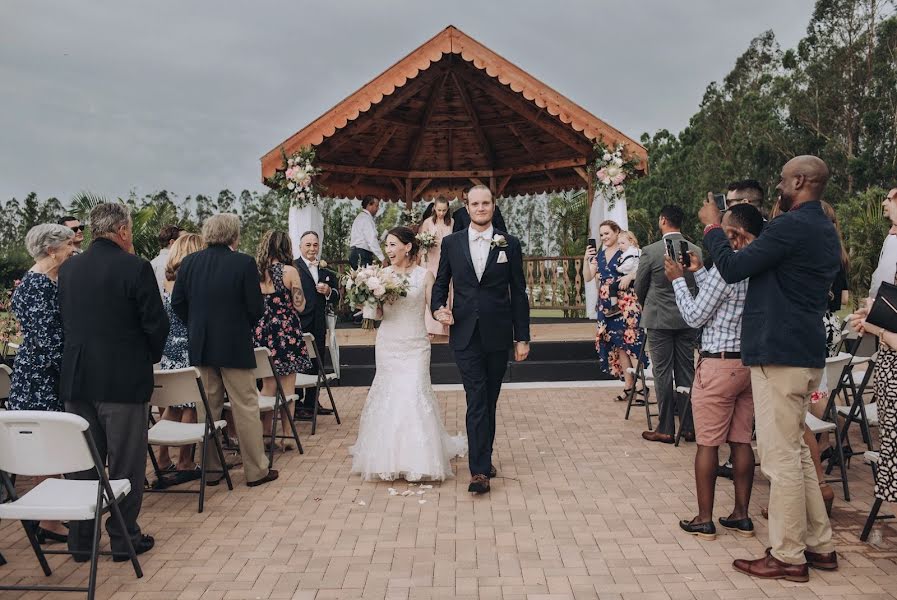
(493, 473)
(324, 411)
(479, 484)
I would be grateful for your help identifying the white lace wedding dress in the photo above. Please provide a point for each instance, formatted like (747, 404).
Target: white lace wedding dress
(401, 435)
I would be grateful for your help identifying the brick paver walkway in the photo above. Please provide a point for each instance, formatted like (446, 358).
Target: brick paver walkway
(584, 508)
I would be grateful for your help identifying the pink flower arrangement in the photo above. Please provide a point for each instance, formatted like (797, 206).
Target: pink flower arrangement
(612, 170)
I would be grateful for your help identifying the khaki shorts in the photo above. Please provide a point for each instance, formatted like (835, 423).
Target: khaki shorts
(722, 402)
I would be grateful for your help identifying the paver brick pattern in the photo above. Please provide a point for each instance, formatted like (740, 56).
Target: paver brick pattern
(583, 508)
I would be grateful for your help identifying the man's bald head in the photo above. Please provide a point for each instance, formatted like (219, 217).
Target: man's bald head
(803, 179)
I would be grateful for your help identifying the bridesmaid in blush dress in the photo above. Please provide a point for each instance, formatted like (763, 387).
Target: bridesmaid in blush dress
(440, 225)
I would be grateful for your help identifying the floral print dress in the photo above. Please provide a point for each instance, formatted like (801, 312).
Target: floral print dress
(176, 354)
(618, 325)
(35, 378)
(280, 328)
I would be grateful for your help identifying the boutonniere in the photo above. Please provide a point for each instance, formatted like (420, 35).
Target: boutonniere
(498, 241)
(322, 264)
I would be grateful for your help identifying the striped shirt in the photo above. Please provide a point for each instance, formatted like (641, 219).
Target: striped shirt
(717, 308)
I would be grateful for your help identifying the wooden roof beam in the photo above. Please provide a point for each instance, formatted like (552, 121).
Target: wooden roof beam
(485, 146)
(565, 163)
(425, 120)
(526, 109)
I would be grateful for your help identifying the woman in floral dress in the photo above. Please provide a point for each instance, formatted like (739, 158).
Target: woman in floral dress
(439, 223)
(175, 356)
(618, 339)
(280, 328)
(35, 376)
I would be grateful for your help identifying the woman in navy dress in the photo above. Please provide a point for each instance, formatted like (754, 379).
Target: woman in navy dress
(280, 328)
(619, 338)
(175, 356)
(35, 376)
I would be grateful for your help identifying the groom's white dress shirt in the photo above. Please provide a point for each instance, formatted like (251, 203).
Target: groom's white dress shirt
(480, 244)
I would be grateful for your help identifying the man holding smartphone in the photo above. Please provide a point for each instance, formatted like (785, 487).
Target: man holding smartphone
(722, 402)
(671, 341)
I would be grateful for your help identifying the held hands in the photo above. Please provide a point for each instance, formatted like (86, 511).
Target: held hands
(521, 351)
(444, 316)
(709, 213)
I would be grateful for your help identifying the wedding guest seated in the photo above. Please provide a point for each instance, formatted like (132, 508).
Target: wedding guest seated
(115, 329)
(167, 236)
(722, 402)
(35, 304)
(176, 356)
(280, 328)
(217, 295)
(321, 288)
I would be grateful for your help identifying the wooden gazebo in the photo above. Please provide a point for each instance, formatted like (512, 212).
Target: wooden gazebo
(451, 114)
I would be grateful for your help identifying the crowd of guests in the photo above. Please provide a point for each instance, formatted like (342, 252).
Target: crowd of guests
(761, 312)
(96, 323)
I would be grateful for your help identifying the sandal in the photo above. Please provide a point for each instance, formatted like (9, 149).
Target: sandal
(624, 396)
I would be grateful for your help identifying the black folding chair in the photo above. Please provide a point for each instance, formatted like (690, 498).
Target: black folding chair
(316, 380)
(641, 375)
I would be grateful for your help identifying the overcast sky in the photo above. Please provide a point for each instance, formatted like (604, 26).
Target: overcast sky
(114, 95)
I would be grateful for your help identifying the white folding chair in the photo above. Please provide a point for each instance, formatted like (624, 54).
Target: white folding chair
(873, 459)
(5, 384)
(181, 386)
(42, 443)
(641, 374)
(305, 381)
(836, 383)
(264, 367)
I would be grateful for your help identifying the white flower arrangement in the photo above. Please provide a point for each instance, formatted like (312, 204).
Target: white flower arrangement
(612, 170)
(371, 287)
(498, 241)
(297, 178)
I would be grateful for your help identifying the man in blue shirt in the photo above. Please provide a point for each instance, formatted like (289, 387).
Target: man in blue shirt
(791, 267)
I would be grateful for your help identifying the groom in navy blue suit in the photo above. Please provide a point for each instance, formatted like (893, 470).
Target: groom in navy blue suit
(489, 316)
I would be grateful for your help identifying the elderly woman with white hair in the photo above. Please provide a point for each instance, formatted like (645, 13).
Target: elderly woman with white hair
(35, 378)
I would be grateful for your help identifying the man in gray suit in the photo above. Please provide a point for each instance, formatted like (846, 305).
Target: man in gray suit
(671, 342)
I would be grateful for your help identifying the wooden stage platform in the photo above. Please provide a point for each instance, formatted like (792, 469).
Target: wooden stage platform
(540, 332)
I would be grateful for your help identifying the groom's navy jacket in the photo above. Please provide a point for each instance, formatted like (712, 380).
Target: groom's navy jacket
(497, 302)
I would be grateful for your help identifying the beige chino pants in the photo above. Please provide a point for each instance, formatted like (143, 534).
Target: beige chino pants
(797, 517)
(243, 396)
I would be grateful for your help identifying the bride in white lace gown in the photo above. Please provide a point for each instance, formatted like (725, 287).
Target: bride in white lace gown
(401, 435)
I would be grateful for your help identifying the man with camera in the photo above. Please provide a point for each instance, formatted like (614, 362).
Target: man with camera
(791, 267)
(671, 341)
(722, 403)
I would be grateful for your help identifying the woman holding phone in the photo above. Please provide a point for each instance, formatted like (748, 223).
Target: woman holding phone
(618, 339)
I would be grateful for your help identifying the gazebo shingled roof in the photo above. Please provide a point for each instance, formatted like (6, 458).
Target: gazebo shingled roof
(449, 114)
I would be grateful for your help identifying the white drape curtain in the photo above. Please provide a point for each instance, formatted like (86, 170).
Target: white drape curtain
(305, 219)
(601, 211)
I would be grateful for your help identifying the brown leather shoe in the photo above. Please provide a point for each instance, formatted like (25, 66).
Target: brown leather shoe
(688, 436)
(769, 567)
(654, 436)
(824, 562)
(479, 484)
(271, 476)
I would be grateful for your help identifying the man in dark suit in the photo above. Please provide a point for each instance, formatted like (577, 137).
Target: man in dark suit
(490, 315)
(462, 219)
(671, 341)
(115, 329)
(321, 289)
(218, 295)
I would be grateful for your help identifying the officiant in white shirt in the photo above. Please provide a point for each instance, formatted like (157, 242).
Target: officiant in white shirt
(321, 288)
(363, 242)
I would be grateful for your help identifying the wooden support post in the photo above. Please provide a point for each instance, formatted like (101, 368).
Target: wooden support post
(492, 186)
(591, 188)
(409, 196)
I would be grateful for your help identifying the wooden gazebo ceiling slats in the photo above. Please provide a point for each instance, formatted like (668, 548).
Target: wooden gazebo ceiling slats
(450, 114)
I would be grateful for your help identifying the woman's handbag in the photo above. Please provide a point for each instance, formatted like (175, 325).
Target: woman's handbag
(884, 309)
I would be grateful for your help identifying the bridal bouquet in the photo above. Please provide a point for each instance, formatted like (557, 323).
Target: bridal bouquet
(426, 240)
(612, 171)
(371, 287)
